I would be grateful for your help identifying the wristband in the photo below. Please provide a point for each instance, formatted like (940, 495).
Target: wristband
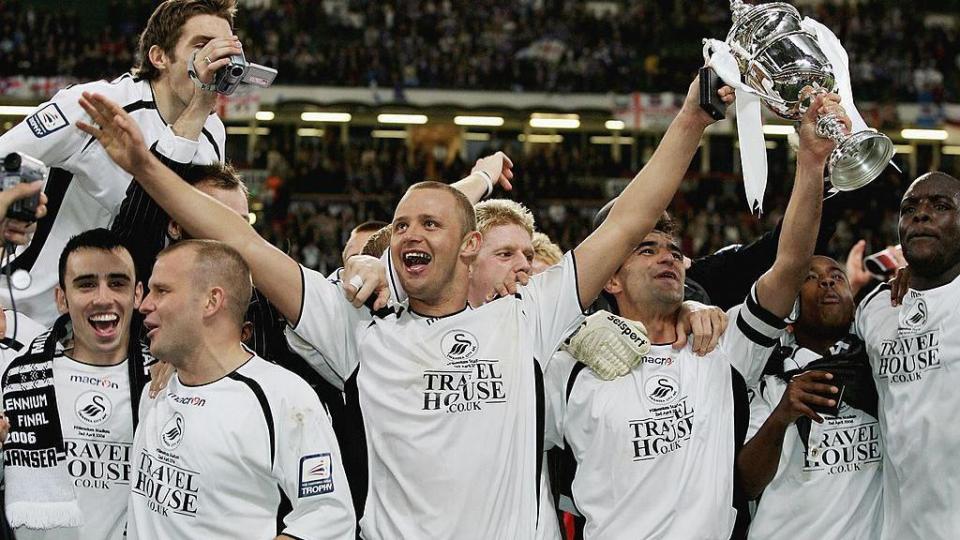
(489, 182)
(192, 71)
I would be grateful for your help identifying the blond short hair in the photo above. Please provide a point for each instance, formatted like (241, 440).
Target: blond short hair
(378, 242)
(545, 250)
(495, 212)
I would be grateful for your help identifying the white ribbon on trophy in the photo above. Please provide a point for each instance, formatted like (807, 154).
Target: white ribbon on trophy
(753, 150)
(837, 55)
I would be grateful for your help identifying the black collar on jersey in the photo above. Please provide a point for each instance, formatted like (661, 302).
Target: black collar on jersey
(431, 318)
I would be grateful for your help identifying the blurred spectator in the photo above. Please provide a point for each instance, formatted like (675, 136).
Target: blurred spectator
(564, 196)
(896, 50)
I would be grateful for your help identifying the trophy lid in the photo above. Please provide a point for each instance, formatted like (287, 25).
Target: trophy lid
(754, 24)
(745, 16)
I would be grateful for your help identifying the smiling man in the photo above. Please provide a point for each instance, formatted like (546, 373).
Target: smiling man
(915, 355)
(803, 461)
(85, 188)
(71, 399)
(450, 394)
(668, 433)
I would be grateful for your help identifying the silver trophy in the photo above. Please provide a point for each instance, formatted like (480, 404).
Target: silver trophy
(785, 65)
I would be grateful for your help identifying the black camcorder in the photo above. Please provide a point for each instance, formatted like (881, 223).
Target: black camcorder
(239, 71)
(17, 168)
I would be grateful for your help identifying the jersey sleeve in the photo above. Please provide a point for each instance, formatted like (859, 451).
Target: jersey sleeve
(556, 376)
(751, 335)
(551, 301)
(763, 399)
(309, 469)
(49, 133)
(325, 334)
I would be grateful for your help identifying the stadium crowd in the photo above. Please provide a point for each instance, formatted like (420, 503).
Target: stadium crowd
(325, 193)
(897, 53)
(422, 359)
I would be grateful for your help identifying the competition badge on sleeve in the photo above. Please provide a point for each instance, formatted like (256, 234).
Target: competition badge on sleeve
(316, 475)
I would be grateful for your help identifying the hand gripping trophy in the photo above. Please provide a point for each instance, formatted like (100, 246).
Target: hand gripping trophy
(784, 61)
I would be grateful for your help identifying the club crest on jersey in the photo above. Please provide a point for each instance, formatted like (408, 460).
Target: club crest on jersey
(459, 345)
(171, 434)
(661, 389)
(47, 120)
(913, 315)
(316, 475)
(93, 407)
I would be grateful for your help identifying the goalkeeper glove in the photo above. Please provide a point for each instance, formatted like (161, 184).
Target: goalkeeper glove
(609, 345)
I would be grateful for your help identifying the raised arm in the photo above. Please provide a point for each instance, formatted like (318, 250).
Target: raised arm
(643, 201)
(777, 288)
(488, 172)
(276, 274)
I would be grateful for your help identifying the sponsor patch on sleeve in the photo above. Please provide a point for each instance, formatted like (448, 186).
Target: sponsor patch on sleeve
(316, 475)
(47, 120)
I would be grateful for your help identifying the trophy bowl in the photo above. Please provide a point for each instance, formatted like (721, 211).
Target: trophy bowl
(786, 66)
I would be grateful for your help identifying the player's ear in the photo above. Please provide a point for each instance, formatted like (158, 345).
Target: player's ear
(613, 285)
(216, 301)
(158, 57)
(138, 295)
(61, 296)
(174, 231)
(470, 247)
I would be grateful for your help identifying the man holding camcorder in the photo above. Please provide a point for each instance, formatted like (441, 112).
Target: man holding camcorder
(171, 94)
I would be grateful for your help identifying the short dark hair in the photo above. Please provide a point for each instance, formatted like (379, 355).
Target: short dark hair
(217, 174)
(370, 226)
(165, 27)
(103, 239)
(935, 175)
(665, 223)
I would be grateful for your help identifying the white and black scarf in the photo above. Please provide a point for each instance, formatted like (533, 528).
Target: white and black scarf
(39, 491)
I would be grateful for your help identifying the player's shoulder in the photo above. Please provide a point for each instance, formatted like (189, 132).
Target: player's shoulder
(272, 381)
(21, 330)
(876, 299)
(125, 90)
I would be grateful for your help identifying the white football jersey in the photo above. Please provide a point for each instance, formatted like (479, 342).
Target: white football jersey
(211, 461)
(840, 462)
(655, 449)
(914, 351)
(85, 187)
(450, 404)
(97, 423)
